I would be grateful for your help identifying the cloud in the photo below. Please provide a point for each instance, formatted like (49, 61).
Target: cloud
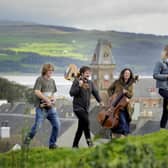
(124, 15)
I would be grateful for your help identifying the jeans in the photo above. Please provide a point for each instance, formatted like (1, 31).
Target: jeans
(164, 118)
(123, 127)
(52, 115)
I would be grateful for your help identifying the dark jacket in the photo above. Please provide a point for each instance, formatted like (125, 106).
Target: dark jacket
(81, 100)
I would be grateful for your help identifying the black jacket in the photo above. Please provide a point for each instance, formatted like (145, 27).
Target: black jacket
(81, 100)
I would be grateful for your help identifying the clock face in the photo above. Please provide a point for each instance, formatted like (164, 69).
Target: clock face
(106, 77)
(106, 54)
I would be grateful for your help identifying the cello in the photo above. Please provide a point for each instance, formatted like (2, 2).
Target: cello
(109, 116)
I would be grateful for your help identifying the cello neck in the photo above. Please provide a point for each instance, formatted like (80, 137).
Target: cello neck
(117, 100)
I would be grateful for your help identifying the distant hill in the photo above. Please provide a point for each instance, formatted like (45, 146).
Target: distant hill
(25, 46)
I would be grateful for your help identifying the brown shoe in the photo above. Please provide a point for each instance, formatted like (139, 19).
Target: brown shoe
(122, 136)
(114, 135)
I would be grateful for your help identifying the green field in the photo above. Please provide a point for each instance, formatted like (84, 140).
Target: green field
(52, 49)
(148, 151)
(6, 57)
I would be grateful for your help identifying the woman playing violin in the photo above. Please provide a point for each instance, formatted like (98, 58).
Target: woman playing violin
(125, 85)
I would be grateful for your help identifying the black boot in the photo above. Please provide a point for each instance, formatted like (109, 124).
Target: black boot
(53, 146)
(89, 142)
(75, 145)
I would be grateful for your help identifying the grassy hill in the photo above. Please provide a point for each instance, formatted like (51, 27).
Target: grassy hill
(149, 151)
(25, 46)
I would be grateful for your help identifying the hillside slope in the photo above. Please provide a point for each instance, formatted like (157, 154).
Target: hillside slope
(25, 46)
(134, 151)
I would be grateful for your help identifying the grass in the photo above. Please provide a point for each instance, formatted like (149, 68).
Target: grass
(134, 151)
(6, 57)
(51, 49)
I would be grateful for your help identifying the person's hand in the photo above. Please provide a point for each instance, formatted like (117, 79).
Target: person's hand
(80, 83)
(101, 103)
(125, 91)
(48, 103)
(53, 99)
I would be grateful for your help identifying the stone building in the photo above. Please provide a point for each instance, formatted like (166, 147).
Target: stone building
(146, 101)
(102, 66)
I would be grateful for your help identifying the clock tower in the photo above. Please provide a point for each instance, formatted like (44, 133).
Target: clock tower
(102, 66)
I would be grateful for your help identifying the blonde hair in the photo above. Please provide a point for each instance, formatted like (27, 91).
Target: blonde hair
(165, 52)
(46, 68)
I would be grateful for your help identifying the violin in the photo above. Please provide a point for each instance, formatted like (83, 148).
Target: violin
(85, 84)
(109, 116)
(72, 73)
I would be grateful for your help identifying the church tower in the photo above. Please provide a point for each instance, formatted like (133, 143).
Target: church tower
(102, 66)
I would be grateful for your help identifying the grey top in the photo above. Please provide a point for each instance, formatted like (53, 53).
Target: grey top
(47, 87)
(160, 73)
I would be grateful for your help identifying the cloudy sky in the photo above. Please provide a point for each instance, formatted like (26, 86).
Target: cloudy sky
(141, 16)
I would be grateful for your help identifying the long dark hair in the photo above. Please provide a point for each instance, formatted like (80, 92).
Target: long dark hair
(121, 77)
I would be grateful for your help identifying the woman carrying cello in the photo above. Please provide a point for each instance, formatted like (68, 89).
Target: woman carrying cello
(123, 84)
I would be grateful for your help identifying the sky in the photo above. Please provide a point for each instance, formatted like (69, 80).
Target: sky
(139, 16)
